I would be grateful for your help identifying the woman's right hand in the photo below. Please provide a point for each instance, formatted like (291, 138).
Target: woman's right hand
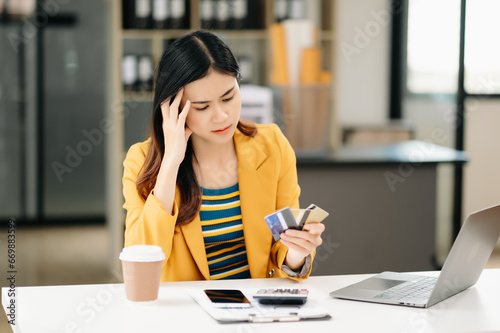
(176, 135)
(175, 131)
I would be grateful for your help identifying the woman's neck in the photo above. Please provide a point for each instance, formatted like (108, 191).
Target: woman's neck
(214, 153)
(217, 165)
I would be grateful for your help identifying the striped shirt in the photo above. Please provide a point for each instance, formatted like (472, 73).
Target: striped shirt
(222, 227)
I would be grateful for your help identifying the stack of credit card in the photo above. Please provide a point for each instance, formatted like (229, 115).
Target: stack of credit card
(287, 218)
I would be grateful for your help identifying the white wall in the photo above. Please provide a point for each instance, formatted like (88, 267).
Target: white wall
(482, 139)
(435, 122)
(482, 172)
(362, 61)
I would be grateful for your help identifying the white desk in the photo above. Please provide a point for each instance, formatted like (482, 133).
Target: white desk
(103, 308)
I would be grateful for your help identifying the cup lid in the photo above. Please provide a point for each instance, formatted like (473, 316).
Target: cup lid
(142, 253)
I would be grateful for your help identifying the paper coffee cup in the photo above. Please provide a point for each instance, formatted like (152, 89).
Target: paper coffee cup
(141, 266)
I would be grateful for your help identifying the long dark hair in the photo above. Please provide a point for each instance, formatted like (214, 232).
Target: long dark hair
(187, 59)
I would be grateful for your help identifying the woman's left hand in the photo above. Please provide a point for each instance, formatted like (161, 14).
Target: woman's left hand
(301, 243)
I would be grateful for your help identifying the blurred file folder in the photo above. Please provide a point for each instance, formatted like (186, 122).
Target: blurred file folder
(299, 35)
(311, 72)
(296, 55)
(311, 65)
(279, 73)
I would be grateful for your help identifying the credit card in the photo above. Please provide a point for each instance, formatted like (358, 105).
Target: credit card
(279, 221)
(317, 214)
(302, 218)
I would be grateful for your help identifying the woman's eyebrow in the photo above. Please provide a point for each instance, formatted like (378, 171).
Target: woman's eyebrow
(225, 94)
(229, 91)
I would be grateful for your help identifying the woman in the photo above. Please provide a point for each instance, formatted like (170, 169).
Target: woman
(202, 184)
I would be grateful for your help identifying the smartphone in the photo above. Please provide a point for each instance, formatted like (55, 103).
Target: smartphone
(227, 298)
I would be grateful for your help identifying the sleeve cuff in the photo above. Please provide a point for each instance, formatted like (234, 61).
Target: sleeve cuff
(299, 272)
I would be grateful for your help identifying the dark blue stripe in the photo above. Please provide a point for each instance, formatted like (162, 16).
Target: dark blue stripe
(210, 215)
(224, 237)
(235, 265)
(218, 247)
(224, 263)
(242, 275)
(222, 191)
(220, 225)
(223, 254)
(209, 201)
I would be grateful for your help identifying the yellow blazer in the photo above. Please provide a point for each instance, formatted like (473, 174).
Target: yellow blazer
(267, 176)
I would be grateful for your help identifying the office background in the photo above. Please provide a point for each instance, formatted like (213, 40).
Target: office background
(68, 80)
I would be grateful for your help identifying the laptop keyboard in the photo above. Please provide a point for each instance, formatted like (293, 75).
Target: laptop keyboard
(417, 290)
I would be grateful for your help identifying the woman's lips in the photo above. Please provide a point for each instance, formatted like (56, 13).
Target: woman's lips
(223, 130)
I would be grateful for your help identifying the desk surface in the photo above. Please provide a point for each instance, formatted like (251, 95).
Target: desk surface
(414, 151)
(103, 308)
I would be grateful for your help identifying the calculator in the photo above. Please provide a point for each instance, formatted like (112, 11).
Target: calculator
(281, 296)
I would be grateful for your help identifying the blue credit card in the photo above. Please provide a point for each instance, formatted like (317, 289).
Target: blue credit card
(279, 221)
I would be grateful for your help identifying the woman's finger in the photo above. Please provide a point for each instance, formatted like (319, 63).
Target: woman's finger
(296, 248)
(301, 242)
(165, 110)
(184, 113)
(304, 239)
(311, 233)
(182, 120)
(174, 108)
(187, 133)
(313, 238)
(314, 228)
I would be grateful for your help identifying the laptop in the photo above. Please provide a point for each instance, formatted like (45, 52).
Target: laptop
(462, 268)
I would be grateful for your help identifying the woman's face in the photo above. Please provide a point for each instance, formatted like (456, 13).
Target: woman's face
(215, 107)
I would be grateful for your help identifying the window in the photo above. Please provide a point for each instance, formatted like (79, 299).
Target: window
(433, 46)
(482, 47)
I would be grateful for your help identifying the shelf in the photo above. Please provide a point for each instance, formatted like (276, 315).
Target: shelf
(242, 34)
(153, 34)
(232, 34)
(138, 96)
(326, 36)
(168, 34)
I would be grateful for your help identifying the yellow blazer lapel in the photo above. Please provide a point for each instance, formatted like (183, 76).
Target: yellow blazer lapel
(255, 172)
(194, 239)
